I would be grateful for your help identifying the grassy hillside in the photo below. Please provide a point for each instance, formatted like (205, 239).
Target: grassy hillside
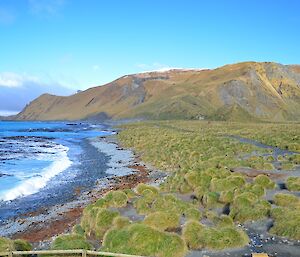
(243, 91)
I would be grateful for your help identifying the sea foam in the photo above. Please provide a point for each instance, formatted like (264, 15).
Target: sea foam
(32, 185)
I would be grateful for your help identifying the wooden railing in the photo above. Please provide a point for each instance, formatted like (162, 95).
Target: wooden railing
(83, 253)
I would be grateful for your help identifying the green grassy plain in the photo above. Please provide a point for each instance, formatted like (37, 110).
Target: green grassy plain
(187, 210)
(204, 199)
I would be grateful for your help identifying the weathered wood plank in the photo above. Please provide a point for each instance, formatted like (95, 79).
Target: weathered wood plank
(112, 254)
(79, 251)
(83, 253)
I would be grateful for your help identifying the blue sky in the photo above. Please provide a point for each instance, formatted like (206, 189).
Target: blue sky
(76, 44)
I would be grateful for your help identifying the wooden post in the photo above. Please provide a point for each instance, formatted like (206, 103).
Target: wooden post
(10, 254)
(83, 253)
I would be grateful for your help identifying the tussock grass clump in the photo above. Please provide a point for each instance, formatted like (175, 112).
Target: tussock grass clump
(258, 190)
(293, 183)
(162, 220)
(255, 158)
(96, 221)
(142, 187)
(224, 221)
(194, 234)
(198, 236)
(295, 158)
(259, 163)
(22, 245)
(287, 166)
(149, 195)
(217, 172)
(210, 199)
(140, 239)
(264, 181)
(130, 193)
(248, 206)
(294, 146)
(88, 219)
(104, 221)
(6, 245)
(262, 166)
(227, 237)
(270, 158)
(226, 196)
(170, 203)
(286, 222)
(193, 214)
(176, 183)
(198, 179)
(153, 203)
(245, 198)
(268, 166)
(116, 198)
(211, 215)
(143, 206)
(199, 192)
(101, 203)
(277, 212)
(69, 242)
(120, 222)
(77, 229)
(254, 188)
(286, 200)
(185, 188)
(229, 183)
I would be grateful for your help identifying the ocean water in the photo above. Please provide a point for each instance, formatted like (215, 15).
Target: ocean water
(35, 156)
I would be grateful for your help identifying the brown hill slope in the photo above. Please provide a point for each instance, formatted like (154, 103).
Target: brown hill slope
(242, 91)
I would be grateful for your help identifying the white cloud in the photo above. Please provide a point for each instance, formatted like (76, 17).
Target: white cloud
(10, 79)
(46, 7)
(7, 113)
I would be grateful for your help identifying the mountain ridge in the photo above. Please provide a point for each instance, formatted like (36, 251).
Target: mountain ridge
(242, 91)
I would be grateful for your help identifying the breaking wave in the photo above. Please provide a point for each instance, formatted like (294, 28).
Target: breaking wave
(32, 185)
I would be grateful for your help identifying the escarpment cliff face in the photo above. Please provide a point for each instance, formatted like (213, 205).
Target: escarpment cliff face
(243, 91)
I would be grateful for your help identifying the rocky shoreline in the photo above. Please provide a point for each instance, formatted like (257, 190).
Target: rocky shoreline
(41, 226)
